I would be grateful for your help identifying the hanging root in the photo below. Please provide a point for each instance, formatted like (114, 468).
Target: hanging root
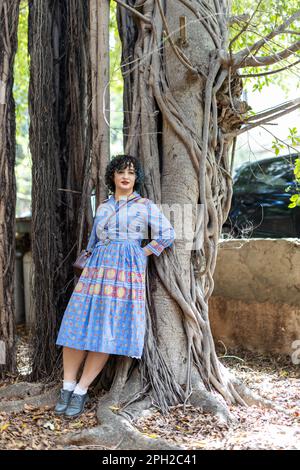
(14, 397)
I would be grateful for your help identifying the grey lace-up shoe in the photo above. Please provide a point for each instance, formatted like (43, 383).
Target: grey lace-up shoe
(76, 405)
(62, 404)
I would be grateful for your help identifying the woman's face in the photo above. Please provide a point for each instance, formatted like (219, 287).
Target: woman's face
(125, 179)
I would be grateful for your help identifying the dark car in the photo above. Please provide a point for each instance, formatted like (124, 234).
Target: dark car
(260, 200)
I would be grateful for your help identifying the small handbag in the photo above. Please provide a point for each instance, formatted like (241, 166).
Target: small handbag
(80, 262)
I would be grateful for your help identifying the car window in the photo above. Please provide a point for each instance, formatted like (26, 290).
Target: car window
(274, 173)
(242, 176)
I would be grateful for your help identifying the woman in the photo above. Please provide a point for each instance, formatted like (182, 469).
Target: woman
(106, 312)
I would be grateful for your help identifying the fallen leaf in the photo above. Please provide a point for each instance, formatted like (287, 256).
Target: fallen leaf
(49, 425)
(5, 426)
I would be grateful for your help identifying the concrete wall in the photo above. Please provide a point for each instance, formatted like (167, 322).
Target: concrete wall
(256, 299)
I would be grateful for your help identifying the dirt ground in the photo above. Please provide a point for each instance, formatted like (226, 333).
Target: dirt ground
(275, 378)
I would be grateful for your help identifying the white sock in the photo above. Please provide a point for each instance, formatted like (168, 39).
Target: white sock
(70, 386)
(80, 391)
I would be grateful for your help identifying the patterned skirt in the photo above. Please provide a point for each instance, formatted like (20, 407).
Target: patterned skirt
(106, 311)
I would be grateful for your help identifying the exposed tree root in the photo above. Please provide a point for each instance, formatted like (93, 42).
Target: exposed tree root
(117, 414)
(34, 394)
(116, 432)
(21, 390)
(211, 404)
(251, 398)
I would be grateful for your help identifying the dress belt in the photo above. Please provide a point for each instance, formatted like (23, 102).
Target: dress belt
(108, 240)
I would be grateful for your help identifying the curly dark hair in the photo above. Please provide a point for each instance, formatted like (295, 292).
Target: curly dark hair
(120, 162)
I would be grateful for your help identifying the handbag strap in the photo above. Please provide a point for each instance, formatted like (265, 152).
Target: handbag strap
(121, 207)
(136, 198)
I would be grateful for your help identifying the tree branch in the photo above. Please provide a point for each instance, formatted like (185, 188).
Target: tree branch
(238, 19)
(134, 11)
(271, 72)
(244, 53)
(280, 140)
(243, 28)
(273, 110)
(272, 116)
(262, 61)
(290, 31)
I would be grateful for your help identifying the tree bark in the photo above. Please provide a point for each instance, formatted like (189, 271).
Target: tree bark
(99, 56)
(59, 142)
(9, 17)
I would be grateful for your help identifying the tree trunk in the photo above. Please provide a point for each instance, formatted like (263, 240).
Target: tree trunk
(59, 144)
(99, 56)
(170, 88)
(9, 16)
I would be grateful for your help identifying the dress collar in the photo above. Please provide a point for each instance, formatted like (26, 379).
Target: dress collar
(123, 198)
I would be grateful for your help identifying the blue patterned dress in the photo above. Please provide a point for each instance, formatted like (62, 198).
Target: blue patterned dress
(106, 311)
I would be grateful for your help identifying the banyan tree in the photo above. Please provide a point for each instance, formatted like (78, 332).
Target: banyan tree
(183, 110)
(8, 46)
